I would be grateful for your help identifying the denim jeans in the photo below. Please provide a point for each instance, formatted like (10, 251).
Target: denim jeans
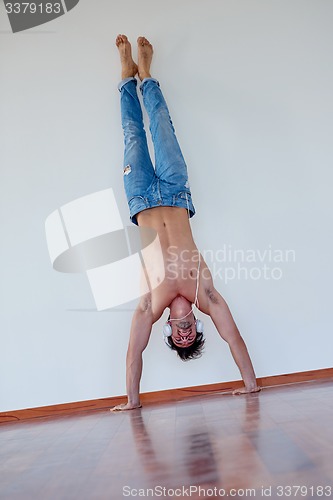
(145, 186)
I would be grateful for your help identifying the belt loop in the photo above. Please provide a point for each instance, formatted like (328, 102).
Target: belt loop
(159, 190)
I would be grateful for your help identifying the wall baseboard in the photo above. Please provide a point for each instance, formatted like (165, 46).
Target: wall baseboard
(160, 396)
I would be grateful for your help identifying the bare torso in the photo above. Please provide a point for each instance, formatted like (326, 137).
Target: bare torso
(172, 260)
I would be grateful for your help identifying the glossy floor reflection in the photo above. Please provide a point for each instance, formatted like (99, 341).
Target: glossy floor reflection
(281, 437)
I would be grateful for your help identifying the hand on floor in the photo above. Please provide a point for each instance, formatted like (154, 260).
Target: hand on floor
(125, 407)
(244, 390)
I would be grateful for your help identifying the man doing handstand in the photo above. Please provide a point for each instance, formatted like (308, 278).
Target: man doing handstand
(160, 198)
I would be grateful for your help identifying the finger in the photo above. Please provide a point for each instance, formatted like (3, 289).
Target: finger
(117, 408)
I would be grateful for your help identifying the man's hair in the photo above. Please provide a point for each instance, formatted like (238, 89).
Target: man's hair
(194, 351)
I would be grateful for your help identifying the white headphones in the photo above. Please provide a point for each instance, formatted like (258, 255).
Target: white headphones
(167, 330)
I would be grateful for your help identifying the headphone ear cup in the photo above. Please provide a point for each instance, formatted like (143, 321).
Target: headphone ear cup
(199, 326)
(167, 330)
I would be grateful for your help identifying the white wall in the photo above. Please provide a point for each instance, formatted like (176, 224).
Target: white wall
(249, 85)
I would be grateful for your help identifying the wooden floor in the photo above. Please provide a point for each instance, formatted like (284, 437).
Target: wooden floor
(281, 437)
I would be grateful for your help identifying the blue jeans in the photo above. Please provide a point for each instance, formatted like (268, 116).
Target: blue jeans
(146, 187)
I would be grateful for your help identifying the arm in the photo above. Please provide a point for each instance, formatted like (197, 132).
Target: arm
(142, 322)
(225, 324)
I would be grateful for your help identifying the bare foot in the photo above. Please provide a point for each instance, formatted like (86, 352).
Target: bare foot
(145, 55)
(128, 66)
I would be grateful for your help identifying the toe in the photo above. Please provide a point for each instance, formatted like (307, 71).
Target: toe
(142, 40)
